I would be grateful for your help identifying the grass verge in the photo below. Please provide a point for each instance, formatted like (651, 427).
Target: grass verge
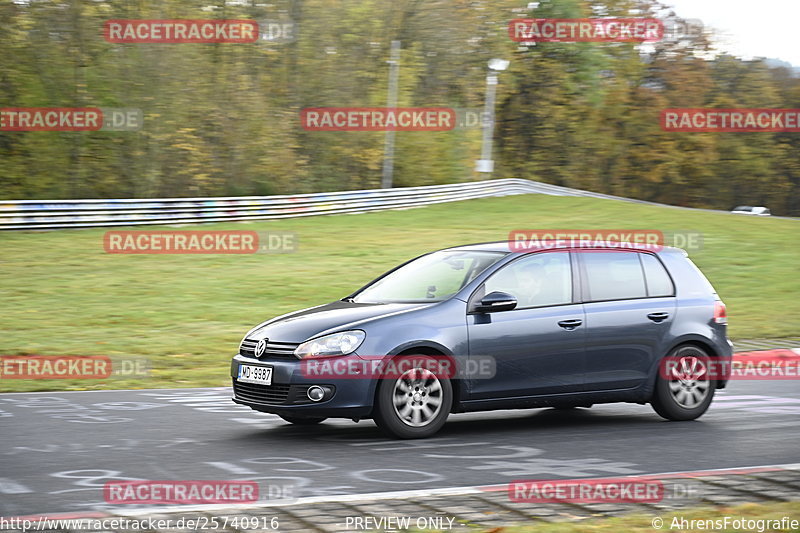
(63, 295)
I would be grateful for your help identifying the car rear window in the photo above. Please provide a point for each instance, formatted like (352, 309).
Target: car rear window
(658, 281)
(614, 276)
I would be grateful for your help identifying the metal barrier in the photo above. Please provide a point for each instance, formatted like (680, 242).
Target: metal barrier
(59, 214)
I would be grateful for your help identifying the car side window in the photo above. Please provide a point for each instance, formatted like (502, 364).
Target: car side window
(536, 280)
(614, 275)
(658, 281)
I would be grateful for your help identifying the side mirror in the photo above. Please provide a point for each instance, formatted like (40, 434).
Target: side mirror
(496, 301)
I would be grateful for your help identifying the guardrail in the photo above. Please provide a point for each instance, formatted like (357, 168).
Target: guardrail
(59, 214)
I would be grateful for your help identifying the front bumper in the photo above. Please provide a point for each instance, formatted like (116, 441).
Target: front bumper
(352, 398)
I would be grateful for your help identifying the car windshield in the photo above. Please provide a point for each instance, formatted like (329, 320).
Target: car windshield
(431, 278)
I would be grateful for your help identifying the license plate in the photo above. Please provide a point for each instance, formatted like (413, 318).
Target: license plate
(255, 374)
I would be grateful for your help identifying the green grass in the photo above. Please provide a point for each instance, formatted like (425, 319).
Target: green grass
(62, 294)
(641, 523)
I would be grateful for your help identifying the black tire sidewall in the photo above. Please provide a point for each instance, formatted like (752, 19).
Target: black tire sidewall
(387, 419)
(664, 402)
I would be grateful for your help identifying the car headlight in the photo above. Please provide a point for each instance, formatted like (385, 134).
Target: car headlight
(341, 343)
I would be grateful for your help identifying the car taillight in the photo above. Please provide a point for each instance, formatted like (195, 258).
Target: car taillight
(720, 313)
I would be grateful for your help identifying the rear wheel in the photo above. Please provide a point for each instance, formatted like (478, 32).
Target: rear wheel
(415, 405)
(301, 420)
(684, 389)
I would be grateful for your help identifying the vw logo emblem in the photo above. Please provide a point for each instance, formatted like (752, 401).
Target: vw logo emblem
(260, 348)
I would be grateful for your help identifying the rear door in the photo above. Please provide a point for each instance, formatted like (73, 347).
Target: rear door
(629, 301)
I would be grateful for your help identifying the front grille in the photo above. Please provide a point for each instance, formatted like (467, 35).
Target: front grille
(275, 394)
(275, 350)
(251, 392)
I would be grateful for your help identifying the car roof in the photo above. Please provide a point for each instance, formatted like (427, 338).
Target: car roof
(503, 246)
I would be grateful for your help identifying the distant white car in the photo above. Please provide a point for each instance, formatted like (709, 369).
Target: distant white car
(750, 210)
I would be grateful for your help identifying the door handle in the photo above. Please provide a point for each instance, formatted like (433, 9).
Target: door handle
(571, 324)
(658, 317)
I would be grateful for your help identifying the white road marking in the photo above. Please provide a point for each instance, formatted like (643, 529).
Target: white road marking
(761, 426)
(720, 397)
(232, 468)
(9, 486)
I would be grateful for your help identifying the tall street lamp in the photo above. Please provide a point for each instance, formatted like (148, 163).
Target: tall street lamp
(485, 163)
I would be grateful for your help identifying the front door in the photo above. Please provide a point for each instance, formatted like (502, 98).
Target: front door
(538, 347)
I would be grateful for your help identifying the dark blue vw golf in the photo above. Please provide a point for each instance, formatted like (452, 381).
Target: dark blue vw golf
(564, 327)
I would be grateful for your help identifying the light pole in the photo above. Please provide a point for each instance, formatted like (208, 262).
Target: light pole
(391, 103)
(485, 163)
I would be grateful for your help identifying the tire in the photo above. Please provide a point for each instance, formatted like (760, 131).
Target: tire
(414, 405)
(685, 395)
(302, 420)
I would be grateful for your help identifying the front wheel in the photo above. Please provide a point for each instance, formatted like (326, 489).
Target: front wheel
(684, 389)
(414, 405)
(302, 421)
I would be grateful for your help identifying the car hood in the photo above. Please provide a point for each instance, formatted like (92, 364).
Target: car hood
(300, 326)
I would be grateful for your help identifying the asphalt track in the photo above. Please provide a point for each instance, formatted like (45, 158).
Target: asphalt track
(59, 449)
